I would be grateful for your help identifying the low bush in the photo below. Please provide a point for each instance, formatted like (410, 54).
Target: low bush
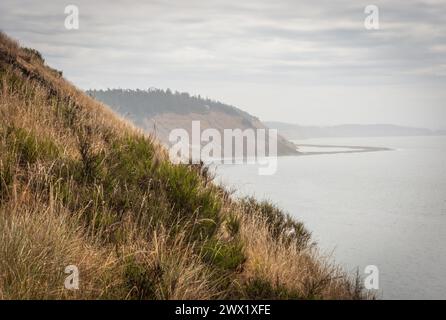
(279, 223)
(185, 190)
(141, 280)
(227, 256)
(28, 148)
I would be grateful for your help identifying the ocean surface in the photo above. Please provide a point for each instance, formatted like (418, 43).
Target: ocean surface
(383, 208)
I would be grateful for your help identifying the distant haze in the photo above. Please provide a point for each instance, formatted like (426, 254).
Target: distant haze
(295, 132)
(310, 62)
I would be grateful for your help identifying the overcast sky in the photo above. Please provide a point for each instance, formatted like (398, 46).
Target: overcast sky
(307, 62)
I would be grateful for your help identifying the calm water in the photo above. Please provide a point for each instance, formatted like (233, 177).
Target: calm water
(385, 208)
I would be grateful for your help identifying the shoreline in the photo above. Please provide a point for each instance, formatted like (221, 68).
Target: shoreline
(350, 149)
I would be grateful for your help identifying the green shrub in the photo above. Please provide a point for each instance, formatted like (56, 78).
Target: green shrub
(140, 279)
(124, 176)
(29, 148)
(128, 173)
(184, 189)
(228, 256)
(130, 161)
(232, 225)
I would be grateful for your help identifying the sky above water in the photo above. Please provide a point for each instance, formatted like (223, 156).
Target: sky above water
(307, 62)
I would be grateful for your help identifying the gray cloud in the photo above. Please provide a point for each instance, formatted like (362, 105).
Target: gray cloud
(247, 52)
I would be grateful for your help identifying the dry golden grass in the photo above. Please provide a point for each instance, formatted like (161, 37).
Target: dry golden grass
(307, 273)
(36, 243)
(79, 185)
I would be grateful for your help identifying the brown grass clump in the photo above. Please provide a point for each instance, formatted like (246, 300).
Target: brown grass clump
(80, 186)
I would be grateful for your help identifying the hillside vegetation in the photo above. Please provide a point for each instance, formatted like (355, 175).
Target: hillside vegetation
(158, 112)
(80, 186)
(154, 101)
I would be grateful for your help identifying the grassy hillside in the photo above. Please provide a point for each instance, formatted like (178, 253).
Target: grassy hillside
(80, 186)
(160, 111)
(153, 101)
